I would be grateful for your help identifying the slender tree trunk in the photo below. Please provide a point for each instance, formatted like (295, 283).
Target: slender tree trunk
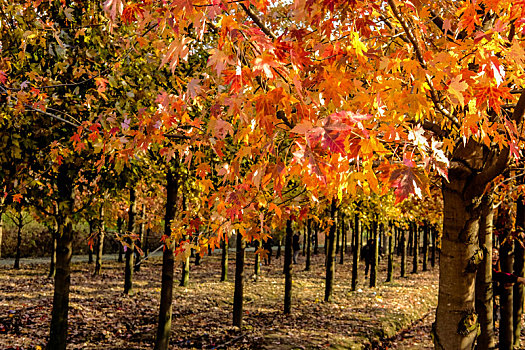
(484, 285)
(1, 232)
(415, 234)
(338, 233)
(288, 268)
(185, 277)
(257, 261)
(434, 247)
(128, 271)
(519, 270)
(238, 293)
(375, 260)
(403, 246)
(52, 264)
(304, 240)
(139, 244)
(146, 242)
(308, 245)
(316, 240)
(100, 242)
(410, 243)
(224, 259)
(91, 225)
(357, 252)
(390, 257)
(120, 222)
(168, 263)
(425, 246)
(343, 240)
(19, 226)
(506, 332)
(278, 254)
(330, 255)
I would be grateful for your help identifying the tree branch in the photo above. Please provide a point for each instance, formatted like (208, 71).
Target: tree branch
(258, 21)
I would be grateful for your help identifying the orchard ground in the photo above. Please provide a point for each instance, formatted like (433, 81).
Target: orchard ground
(393, 315)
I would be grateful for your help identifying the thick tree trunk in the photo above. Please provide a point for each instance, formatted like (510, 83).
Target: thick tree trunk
(519, 270)
(506, 323)
(238, 293)
(128, 271)
(308, 245)
(484, 285)
(330, 255)
(357, 252)
(403, 248)
(100, 242)
(288, 268)
(166, 293)
(375, 258)
(224, 259)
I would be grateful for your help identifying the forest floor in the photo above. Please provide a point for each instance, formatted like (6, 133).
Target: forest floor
(394, 315)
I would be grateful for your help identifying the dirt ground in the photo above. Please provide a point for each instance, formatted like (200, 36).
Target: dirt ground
(102, 318)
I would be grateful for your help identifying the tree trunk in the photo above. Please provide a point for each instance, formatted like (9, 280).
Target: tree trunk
(146, 242)
(19, 226)
(257, 262)
(343, 240)
(64, 251)
(168, 262)
(185, 277)
(224, 259)
(288, 268)
(100, 242)
(330, 255)
(425, 246)
(357, 252)
(338, 233)
(506, 332)
(1, 232)
(52, 264)
(278, 254)
(304, 240)
(434, 247)
(141, 238)
(484, 285)
(403, 248)
(415, 241)
(316, 240)
(375, 259)
(519, 270)
(238, 293)
(390, 257)
(91, 225)
(308, 245)
(120, 222)
(128, 271)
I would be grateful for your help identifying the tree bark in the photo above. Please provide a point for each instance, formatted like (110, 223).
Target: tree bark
(425, 246)
(139, 244)
(128, 271)
(484, 285)
(343, 239)
(91, 225)
(506, 323)
(100, 242)
(337, 233)
(330, 255)
(316, 240)
(185, 276)
(52, 263)
(357, 252)
(519, 270)
(415, 241)
(168, 264)
(403, 248)
(1, 232)
(224, 259)
(239, 281)
(19, 226)
(390, 256)
(434, 247)
(288, 268)
(375, 259)
(257, 261)
(120, 222)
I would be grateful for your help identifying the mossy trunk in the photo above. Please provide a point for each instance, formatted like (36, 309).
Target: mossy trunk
(128, 270)
(238, 292)
(330, 255)
(168, 264)
(484, 284)
(288, 268)
(224, 259)
(357, 252)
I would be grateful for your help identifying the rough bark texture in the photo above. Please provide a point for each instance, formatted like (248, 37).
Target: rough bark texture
(128, 270)
(224, 259)
(288, 268)
(168, 263)
(357, 252)
(484, 285)
(239, 281)
(330, 255)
